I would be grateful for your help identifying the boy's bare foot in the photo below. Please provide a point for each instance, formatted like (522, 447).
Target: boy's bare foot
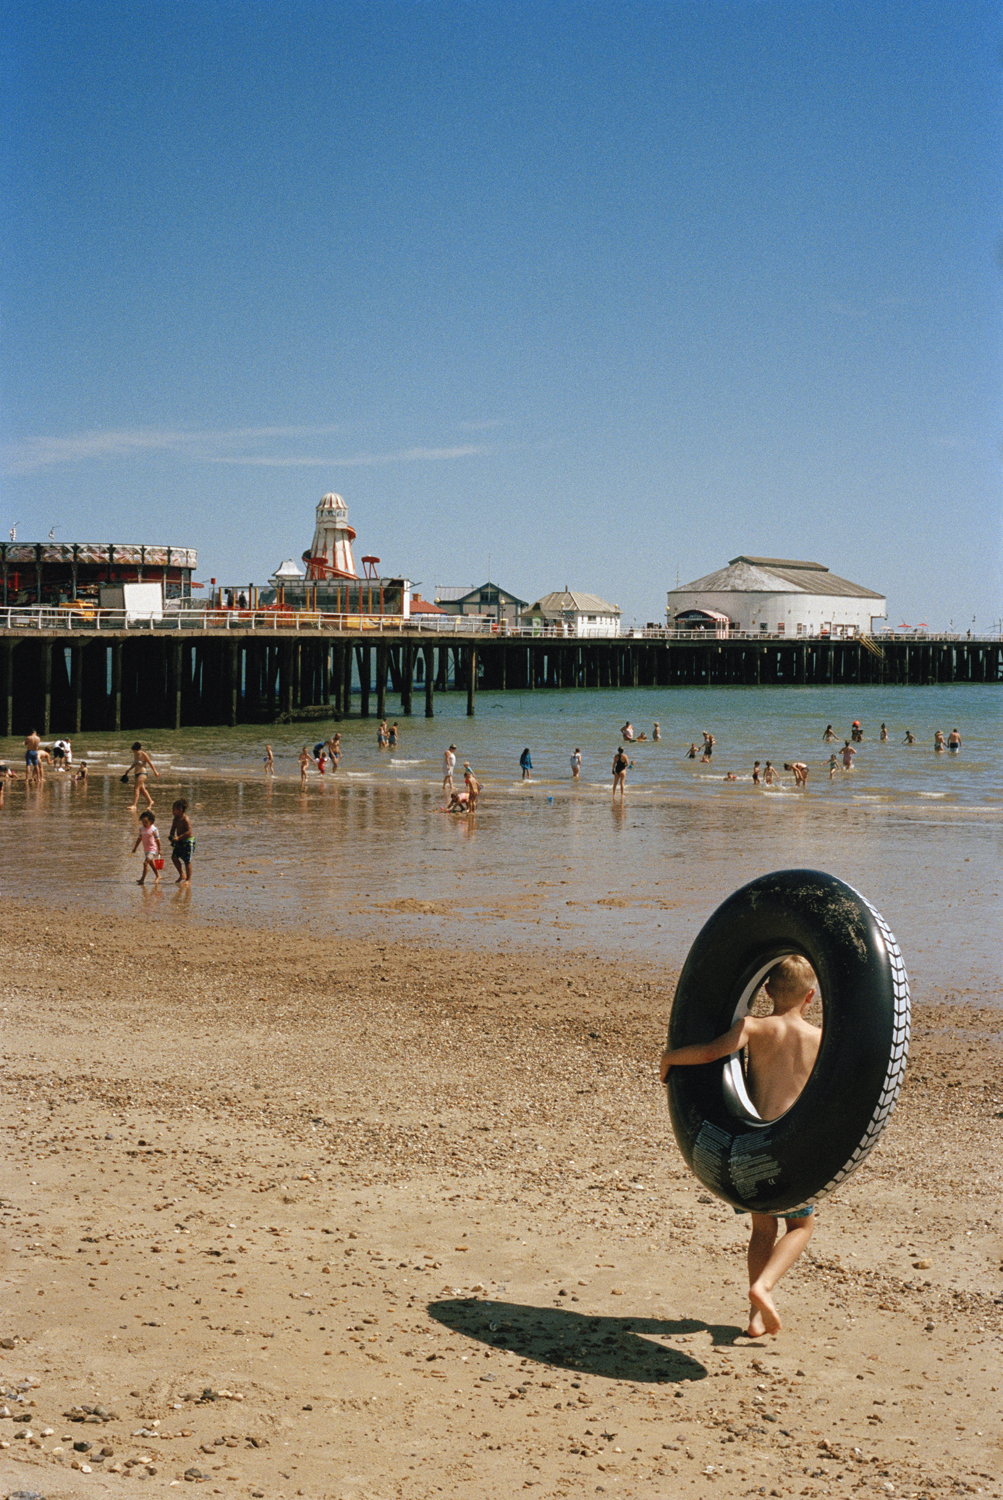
(765, 1312)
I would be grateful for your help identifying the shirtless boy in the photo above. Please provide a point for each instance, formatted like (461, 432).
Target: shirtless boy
(781, 1054)
(182, 841)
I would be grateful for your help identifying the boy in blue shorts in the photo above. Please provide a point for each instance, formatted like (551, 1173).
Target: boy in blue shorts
(781, 1054)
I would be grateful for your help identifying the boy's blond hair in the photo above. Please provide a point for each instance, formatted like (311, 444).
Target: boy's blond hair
(790, 980)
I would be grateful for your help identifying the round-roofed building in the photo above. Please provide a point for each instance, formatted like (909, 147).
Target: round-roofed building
(775, 596)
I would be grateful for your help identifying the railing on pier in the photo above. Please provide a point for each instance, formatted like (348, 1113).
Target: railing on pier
(77, 617)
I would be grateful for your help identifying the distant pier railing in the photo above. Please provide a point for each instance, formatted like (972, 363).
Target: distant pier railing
(72, 668)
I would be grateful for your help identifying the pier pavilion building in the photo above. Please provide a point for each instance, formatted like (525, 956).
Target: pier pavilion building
(33, 573)
(775, 596)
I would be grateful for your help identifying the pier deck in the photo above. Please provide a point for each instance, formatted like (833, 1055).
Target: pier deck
(63, 671)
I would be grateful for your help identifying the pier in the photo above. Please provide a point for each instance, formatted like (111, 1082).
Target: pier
(66, 670)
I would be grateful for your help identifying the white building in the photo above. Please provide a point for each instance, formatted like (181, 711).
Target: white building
(576, 614)
(775, 596)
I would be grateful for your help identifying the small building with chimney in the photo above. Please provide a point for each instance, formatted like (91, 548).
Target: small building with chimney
(775, 596)
(575, 613)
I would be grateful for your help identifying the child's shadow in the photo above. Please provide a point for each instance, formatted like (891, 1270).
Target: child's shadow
(575, 1341)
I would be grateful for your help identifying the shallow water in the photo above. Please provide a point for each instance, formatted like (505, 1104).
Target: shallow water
(369, 850)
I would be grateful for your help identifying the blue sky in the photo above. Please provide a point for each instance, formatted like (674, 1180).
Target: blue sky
(597, 294)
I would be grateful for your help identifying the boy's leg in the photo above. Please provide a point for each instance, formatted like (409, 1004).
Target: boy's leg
(781, 1257)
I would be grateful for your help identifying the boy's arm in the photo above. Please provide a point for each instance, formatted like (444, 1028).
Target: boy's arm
(705, 1052)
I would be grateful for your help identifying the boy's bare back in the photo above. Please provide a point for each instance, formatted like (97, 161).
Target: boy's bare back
(781, 1049)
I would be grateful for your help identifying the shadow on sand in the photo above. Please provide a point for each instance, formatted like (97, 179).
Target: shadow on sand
(613, 1347)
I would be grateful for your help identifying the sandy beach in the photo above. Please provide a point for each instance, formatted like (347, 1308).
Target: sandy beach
(406, 1221)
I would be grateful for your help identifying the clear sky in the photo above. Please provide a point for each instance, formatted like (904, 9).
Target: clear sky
(601, 294)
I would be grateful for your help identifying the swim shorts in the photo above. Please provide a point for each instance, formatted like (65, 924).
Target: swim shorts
(31, 757)
(794, 1213)
(183, 849)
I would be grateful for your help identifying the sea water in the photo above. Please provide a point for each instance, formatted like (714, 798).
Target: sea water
(550, 862)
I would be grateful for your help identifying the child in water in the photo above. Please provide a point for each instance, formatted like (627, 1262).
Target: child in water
(149, 837)
(781, 1054)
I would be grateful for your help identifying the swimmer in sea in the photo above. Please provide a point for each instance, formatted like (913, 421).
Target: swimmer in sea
(954, 740)
(656, 733)
(833, 765)
(627, 731)
(829, 736)
(847, 753)
(755, 774)
(884, 733)
(730, 776)
(691, 753)
(910, 738)
(938, 741)
(769, 773)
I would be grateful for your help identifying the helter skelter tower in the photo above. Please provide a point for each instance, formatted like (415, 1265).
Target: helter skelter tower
(330, 556)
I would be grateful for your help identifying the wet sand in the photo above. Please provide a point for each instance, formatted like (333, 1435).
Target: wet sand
(399, 1220)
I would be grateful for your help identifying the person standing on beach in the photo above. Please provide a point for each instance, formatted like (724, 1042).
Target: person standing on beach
(525, 760)
(304, 765)
(782, 1049)
(620, 765)
(833, 764)
(182, 841)
(576, 764)
(448, 762)
(150, 840)
(140, 788)
(472, 787)
(32, 744)
(269, 761)
(334, 750)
